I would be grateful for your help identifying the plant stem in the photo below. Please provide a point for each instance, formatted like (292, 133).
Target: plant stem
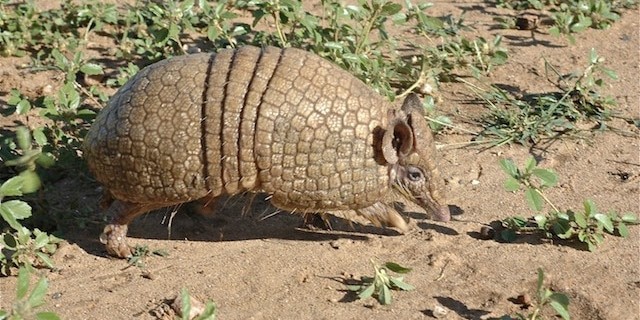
(364, 36)
(546, 199)
(276, 17)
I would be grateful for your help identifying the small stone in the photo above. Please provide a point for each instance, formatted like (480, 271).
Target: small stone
(197, 307)
(475, 182)
(487, 233)
(440, 311)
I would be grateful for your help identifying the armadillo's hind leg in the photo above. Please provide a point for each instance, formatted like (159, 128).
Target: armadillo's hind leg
(121, 213)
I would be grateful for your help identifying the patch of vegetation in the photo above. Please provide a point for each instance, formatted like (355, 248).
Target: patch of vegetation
(587, 226)
(545, 298)
(20, 246)
(574, 16)
(381, 284)
(353, 36)
(529, 119)
(27, 302)
(141, 252)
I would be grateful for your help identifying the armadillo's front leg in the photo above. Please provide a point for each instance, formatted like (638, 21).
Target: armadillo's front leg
(384, 215)
(114, 235)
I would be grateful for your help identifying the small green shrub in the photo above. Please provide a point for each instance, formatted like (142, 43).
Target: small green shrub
(381, 284)
(533, 118)
(21, 246)
(587, 226)
(26, 303)
(544, 297)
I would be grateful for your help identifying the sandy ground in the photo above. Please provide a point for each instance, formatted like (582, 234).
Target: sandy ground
(271, 269)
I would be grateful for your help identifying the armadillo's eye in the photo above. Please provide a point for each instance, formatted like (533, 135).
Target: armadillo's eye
(414, 174)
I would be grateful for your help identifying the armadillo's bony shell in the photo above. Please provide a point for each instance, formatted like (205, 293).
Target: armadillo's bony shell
(282, 121)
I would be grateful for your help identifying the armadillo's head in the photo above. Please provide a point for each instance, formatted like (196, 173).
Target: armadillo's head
(408, 148)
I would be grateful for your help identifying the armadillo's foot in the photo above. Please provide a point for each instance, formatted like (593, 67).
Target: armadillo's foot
(114, 237)
(316, 221)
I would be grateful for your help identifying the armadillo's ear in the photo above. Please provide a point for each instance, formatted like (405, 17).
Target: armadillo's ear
(397, 141)
(412, 103)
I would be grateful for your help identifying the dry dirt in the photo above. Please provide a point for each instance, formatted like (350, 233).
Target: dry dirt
(270, 269)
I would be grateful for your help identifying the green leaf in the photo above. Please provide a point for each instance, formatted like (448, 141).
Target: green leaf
(581, 25)
(47, 316)
(589, 208)
(91, 69)
(627, 217)
(186, 304)
(623, 230)
(396, 267)
(23, 107)
(605, 220)
(41, 239)
(560, 303)
(580, 219)
(389, 9)
(14, 97)
(39, 136)
(509, 167)
(354, 287)
(398, 283)
(530, 164)
(385, 296)
(17, 208)
(534, 199)
(11, 187)
(32, 181)
(511, 184)
(8, 213)
(548, 177)
(23, 283)
(46, 260)
(610, 73)
(541, 221)
(367, 292)
(540, 283)
(36, 298)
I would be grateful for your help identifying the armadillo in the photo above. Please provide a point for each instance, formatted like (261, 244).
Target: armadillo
(284, 122)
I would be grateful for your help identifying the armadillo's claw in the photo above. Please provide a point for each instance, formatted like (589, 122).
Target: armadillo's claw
(316, 221)
(114, 237)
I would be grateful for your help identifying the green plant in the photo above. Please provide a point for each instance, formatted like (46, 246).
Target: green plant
(545, 297)
(22, 247)
(26, 303)
(141, 252)
(209, 312)
(588, 226)
(531, 118)
(124, 74)
(381, 284)
(574, 16)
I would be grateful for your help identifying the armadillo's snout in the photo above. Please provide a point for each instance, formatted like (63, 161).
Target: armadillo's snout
(442, 214)
(439, 212)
